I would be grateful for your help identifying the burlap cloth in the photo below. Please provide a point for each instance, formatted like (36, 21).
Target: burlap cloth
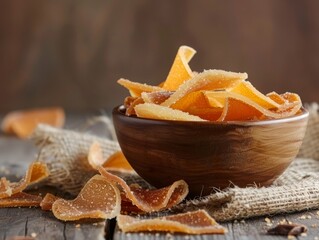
(297, 189)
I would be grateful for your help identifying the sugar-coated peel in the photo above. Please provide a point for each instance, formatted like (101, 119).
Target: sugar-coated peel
(197, 222)
(213, 95)
(23, 122)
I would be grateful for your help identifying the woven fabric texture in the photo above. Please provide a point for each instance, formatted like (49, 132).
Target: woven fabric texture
(297, 189)
(65, 152)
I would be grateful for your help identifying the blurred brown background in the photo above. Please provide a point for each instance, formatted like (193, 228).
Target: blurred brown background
(70, 53)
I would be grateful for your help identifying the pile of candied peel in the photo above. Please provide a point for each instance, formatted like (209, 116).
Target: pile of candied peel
(106, 196)
(212, 95)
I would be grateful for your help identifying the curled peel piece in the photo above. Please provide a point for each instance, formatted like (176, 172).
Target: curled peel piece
(180, 70)
(154, 111)
(130, 108)
(206, 113)
(97, 199)
(197, 222)
(197, 99)
(198, 104)
(207, 80)
(22, 123)
(118, 162)
(95, 156)
(238, 110)
(5, 189)
(156, 97)
(150, 200)
(136, 89)
(291, 98)
(276, 97)
(36, 172)
(246, 89)
(292, 106)
(238, 107)
(47, 202)
(21, 199)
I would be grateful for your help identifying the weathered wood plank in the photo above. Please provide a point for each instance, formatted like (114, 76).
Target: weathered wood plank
(255, 228)
(15, 156)
(43, 225)
(251, 229)
(18, 222)
(83, 231)
(119, 235)
(308, 218)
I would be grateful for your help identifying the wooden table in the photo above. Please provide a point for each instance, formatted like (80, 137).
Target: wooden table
(15, 155)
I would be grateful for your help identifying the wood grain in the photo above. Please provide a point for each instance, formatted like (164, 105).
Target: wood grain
(209, 155)
(43, 225)
(71, 53)
(15, 155)
(252, 229)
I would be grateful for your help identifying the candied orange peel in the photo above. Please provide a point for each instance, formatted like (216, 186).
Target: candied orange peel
(196, 222)
(22, 123)
(107, 195)
(211, 95)
(36, 172)
(180, 71)
(136, 89)
(98, 199)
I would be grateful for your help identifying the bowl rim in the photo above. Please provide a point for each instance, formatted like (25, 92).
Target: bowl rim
(303, 115)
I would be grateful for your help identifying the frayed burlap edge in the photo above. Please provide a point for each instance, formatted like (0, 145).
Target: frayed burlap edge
(310, 143)
(65, 152)
(297, 189)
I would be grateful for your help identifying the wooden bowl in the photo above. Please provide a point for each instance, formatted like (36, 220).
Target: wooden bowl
(209, 154)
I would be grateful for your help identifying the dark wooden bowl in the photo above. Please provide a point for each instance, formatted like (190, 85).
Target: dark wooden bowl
(209, 154)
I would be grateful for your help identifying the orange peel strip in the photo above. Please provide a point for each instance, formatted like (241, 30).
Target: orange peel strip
(276, 97)
(206, 113)
(198, 99)
(180, 70)
(198, 104)
(136, 88)
(95, 155)
(22, 123)
(21, 199)
(197, 222)
(128, 101)
(47, 202)
(118, 162)
(36, 172)
(237, 110)
(150, 200)
(246, 89)
(156, 97)
(97, 199)
(251, 110)
(207, 80)
(130, 109)
(293, 103)
(5, 189)
(127, 207)
(154, 111)
(291, 97)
